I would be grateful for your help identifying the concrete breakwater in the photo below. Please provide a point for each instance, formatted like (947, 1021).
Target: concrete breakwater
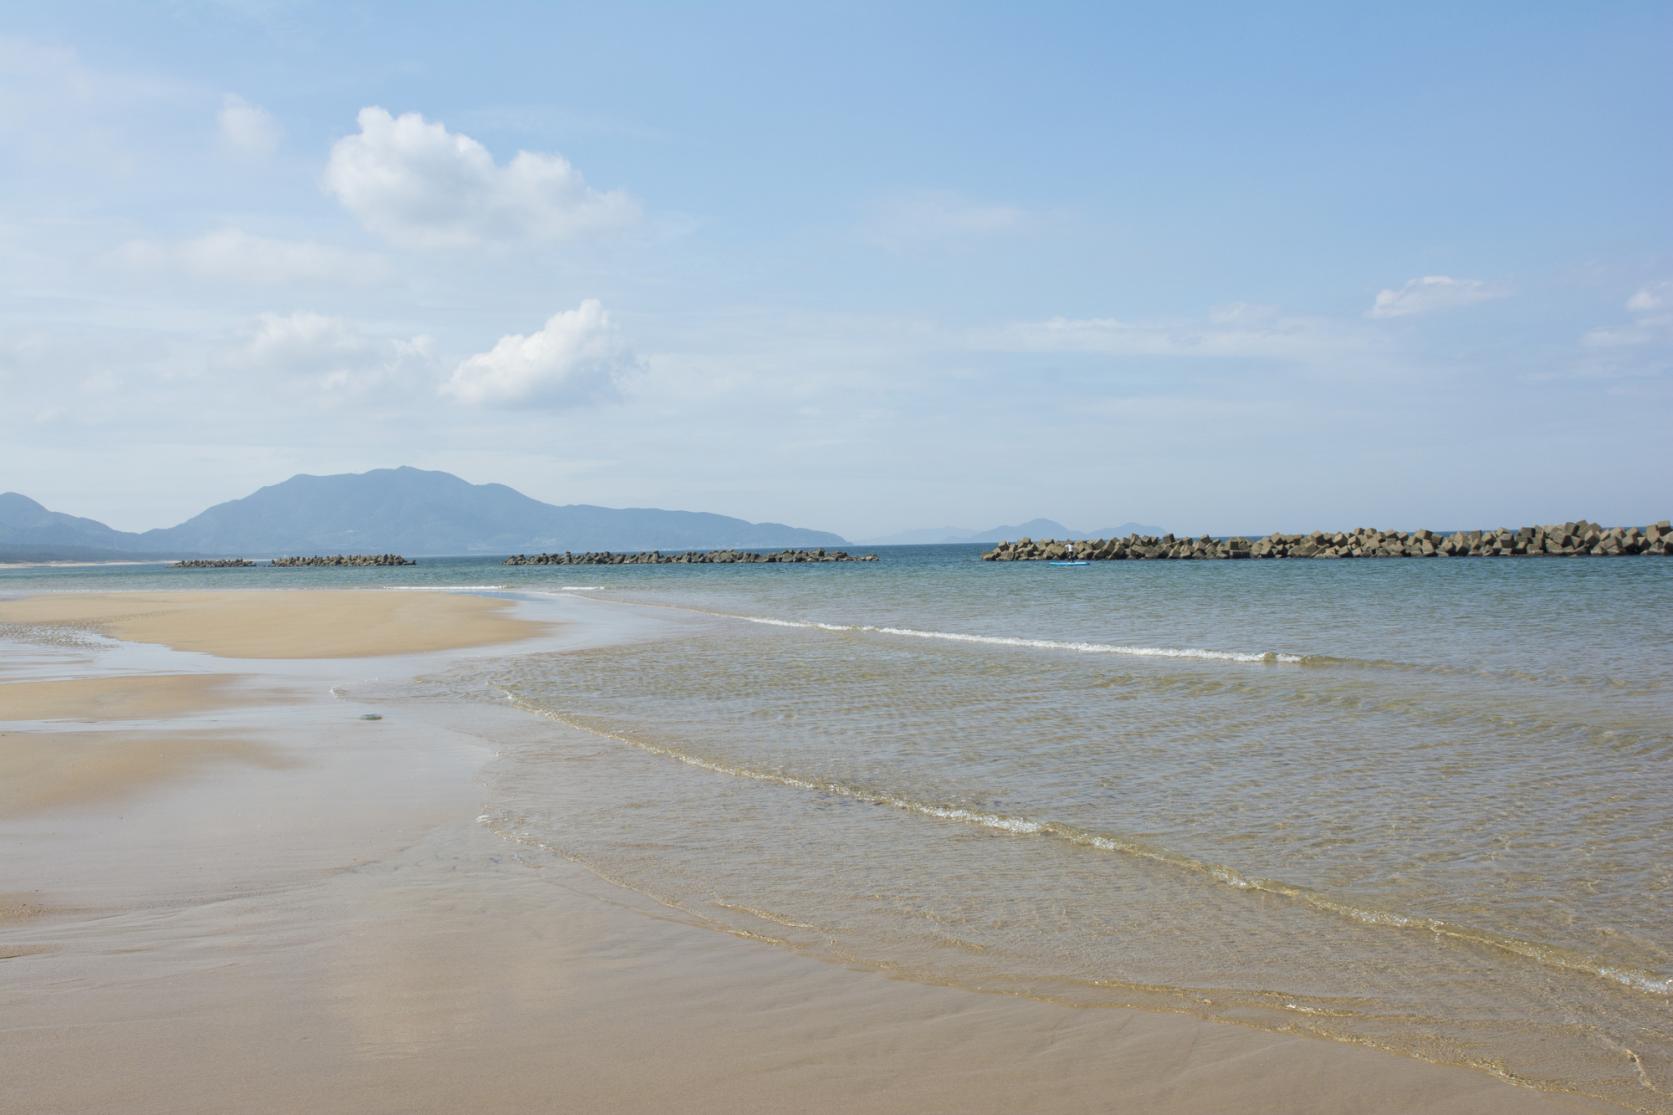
(1573, 539)
(690, 557)
(214, 563)
(344, 559)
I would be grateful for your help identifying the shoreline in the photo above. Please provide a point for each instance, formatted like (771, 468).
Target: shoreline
(337, 931)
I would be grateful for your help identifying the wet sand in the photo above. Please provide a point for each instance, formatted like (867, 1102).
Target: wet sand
(40, 770)
(319, 923)
(140, 697)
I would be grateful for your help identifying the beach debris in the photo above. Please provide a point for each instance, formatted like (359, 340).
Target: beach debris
(370, 716)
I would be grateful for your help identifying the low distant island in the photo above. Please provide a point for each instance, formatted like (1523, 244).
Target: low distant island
(691, 557)
(1572, 539)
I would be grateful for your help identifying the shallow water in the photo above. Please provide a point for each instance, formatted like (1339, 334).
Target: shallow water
(1420, 805)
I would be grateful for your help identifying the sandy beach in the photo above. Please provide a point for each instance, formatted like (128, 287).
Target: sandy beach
(227, 889)
(280, 624)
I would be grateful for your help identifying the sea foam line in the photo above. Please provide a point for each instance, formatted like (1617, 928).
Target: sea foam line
(1036, 644)
(1267, 657)
(1549, 955)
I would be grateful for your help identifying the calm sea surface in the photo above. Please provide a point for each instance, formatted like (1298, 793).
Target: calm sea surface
(1425, 806)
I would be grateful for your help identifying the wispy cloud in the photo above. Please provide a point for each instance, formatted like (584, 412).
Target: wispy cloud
(247, 130)
(333, 354)
(1433, 293)
(1653, 299)
(56, 109)
(233, 255)
(939, 217)
(1237, 331)
(1650, 312)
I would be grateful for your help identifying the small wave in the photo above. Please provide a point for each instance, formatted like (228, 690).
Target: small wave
(1549, 955)
(1036, 644)
(1322, 661)
(765, 915)
(444, 588)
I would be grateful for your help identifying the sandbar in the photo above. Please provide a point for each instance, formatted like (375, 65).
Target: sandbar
(341, 623)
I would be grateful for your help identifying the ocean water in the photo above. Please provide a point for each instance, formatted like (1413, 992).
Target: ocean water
(1425, 806)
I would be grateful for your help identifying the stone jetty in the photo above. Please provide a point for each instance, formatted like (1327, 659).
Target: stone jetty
(1573, 539)
(344, 559)
(690, 557)
(214, 563)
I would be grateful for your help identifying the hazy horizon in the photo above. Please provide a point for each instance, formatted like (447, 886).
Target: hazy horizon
(865, 271)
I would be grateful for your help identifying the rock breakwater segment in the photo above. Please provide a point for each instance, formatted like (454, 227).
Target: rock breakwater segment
(690, 557)
(215, 563)
(344, 559)
(1574, 539)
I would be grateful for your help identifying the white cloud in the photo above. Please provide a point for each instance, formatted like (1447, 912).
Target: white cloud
(415, 183)
(1652, 299)
(1435, 292)
(937, 216)
(577, 357)
(1651, 308)
(230, 254)
(333, 354)
(246, 129)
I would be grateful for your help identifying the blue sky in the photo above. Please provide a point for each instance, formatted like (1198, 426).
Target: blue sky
(866, 268)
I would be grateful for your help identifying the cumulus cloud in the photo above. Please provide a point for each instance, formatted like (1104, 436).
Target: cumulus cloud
(230, 254)
(1651, 310)
(1431, 293)
(414, 182)
(246, 129)
(577, 357)
(334, 354)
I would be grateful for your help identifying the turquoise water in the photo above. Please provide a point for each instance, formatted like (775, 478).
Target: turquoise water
(1421, 805)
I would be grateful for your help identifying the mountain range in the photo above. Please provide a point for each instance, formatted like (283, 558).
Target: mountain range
(394, 510)
(1033, 528)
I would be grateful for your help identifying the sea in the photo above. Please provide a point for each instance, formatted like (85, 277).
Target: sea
(1424, 806)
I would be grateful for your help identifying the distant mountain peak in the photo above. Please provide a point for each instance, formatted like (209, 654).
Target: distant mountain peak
(404, 510)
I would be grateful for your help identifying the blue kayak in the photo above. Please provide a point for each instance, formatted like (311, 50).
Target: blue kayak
(1071, 563)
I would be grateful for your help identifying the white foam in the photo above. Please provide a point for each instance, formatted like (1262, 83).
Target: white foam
(444, 588)
(1036, 644)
